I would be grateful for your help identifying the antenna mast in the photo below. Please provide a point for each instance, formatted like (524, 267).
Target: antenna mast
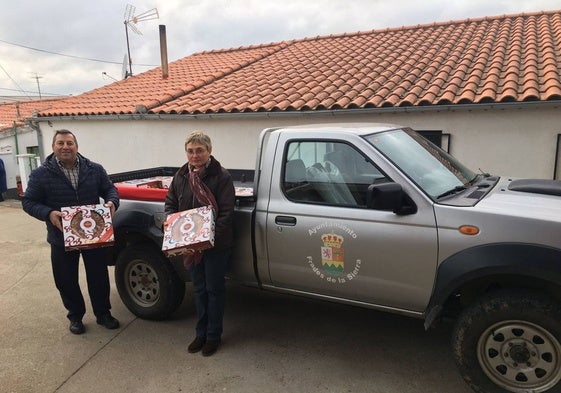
(130, 21)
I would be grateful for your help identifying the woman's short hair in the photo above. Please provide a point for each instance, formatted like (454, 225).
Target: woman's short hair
(200, 138)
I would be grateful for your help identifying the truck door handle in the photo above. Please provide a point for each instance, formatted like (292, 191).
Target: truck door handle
(285, 220)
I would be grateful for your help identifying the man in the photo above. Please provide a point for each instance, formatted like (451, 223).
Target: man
(3, 182)
(67, 178)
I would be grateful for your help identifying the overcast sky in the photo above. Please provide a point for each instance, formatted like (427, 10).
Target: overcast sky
(63, 47)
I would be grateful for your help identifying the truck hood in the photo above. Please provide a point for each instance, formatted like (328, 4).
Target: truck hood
(503, 215)
(528, 198)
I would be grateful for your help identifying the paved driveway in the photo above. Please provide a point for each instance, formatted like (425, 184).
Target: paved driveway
(272, 343)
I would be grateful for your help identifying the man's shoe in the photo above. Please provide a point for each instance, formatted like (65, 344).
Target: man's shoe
(196, 345)
(108, 321)
(210, 347)
(77, 327)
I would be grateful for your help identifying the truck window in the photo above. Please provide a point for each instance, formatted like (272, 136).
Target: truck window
(327, 172)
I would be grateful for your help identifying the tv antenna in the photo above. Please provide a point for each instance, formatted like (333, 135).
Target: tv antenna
(130, 21)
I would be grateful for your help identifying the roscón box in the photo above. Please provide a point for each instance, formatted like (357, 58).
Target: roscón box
(189, 230)
(87, 226)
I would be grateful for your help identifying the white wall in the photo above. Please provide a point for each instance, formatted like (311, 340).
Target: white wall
(513, 142)
(11, 168)
(26, 137)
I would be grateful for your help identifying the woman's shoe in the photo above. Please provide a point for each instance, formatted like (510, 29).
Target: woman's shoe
(210, 347)
(196, 345)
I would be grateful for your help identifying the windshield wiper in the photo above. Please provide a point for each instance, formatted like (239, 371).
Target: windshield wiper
(452, 191)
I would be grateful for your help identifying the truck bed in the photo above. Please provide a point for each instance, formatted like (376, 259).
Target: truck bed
(152, 184)
(139, 193)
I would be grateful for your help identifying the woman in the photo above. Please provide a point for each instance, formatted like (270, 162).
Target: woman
(202, 181)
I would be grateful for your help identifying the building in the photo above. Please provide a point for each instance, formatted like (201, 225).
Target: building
(19, 140)
(487, 89)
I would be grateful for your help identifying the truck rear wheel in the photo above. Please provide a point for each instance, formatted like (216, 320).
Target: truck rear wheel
(147, 283)
(510, 342)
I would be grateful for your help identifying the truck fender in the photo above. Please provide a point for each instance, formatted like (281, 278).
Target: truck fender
(136, 221)
(497, 259)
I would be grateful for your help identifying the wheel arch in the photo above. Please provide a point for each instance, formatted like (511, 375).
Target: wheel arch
(464, 276)
(147, 282)
(134, 226)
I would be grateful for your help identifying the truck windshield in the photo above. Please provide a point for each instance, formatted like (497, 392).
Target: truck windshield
(436, 172)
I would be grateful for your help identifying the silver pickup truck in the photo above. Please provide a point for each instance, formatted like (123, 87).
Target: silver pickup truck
(374, 215)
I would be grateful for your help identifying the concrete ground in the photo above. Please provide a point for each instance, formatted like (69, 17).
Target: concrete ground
(272, 342)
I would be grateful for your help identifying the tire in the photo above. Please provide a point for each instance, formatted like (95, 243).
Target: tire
(147, 283)
(510, 342)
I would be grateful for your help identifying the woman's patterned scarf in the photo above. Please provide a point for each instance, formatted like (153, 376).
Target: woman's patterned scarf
(204, 196)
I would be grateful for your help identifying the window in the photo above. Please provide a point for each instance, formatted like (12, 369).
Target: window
(35, 151)
(32, 150)
(327, 172)
(439, 138)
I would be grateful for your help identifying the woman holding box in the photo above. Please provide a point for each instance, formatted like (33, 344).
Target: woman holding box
(202, 181)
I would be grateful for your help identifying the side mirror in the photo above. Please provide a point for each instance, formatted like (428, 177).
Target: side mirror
(389, 196)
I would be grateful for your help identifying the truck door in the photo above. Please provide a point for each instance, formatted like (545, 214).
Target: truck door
(322, 239)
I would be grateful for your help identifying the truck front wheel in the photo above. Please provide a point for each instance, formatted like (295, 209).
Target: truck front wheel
(510, 342)
(147, 282)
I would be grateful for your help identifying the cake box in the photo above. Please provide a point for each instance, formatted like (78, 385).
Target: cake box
(87, 226)
(189, 230)
(151, 184)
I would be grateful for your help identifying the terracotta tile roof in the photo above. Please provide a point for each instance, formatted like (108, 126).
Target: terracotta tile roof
(509, 58)
(149, 89)
(18, 111)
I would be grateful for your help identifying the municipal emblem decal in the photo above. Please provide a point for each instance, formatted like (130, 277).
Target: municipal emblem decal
(333, 254)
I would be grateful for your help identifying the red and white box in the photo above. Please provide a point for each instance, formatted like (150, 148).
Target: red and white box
(87, 226)
(243, 191)
(150, 184)
(189, 230)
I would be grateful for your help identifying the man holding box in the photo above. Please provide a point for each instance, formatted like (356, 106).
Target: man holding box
(67, 178)
(201, 182)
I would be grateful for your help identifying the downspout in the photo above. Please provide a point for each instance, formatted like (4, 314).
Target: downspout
(16, 137)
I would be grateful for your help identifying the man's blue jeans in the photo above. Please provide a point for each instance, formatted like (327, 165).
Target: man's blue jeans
(210, 292)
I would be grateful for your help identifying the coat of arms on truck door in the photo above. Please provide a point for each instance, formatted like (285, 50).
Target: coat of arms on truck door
(332, 254)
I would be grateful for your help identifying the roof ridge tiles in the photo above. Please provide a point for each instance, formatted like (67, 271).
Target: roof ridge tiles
(247, 47)
(416, 27)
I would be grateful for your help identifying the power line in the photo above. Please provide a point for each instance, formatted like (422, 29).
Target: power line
(72, 56)
(13, 80)
(33, 92)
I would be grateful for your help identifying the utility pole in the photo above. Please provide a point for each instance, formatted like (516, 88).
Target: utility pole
(37, 77)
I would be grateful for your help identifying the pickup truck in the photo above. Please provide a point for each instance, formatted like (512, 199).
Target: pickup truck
(374, 215)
